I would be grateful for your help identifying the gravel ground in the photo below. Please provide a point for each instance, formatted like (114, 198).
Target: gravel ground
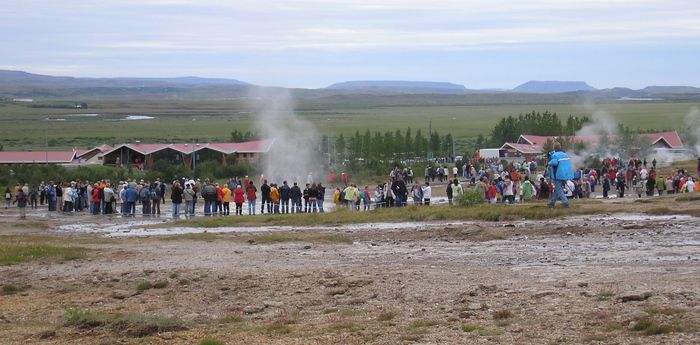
(608, 279)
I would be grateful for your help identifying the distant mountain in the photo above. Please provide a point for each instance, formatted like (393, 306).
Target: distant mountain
(535, 86)
(19, 78)
(670, 89)
(18, 84)
(400, 87)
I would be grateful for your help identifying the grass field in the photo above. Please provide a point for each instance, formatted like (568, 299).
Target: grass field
(24, 127)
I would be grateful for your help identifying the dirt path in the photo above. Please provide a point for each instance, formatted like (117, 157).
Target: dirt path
(624, 279)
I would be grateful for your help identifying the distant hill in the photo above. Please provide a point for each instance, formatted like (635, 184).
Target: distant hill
(400, 87)
(19, 79)
(670, 89)
(535, 86)
(18, 84)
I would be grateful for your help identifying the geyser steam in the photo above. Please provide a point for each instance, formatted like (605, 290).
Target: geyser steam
(293, 156)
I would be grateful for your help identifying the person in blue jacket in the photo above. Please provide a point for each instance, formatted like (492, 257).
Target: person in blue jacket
(560, 170)
(131, 196)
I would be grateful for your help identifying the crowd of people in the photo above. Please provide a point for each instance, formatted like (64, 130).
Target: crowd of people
(496, 181)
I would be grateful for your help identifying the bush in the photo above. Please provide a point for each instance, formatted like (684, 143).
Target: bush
(469, 198)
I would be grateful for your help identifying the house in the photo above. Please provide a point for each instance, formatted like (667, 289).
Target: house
(143, 155)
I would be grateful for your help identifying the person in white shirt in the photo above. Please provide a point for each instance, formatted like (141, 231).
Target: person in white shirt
(427, 193)
(690, 185)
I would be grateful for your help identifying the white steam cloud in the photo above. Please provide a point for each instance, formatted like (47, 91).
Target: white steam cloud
(692, 124)
(602, 124)
(293, 156)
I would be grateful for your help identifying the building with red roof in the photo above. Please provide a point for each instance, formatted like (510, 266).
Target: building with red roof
(144, 155)
(531, 147)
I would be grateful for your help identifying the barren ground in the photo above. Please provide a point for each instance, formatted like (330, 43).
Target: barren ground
(610, 279)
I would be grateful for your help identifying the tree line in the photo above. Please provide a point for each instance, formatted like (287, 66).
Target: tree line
(508, 129)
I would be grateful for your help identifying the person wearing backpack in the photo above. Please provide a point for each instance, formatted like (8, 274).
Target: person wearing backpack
(155, 198)
(145, 197)
(22, 199)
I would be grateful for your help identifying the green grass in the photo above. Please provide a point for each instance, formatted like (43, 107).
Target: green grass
(18, 249)
(144, 285)
(210, 341)
(161, 284)
(649, 326)
(31, 225)
(470, 328)
(465, 116)
(605, 296)
(135, 325)
(11, 289)
(386, 316)
(405, 214)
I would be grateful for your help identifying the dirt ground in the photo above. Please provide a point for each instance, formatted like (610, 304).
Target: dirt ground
(606, 279)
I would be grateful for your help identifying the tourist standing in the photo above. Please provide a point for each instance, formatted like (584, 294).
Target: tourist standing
(560, 171)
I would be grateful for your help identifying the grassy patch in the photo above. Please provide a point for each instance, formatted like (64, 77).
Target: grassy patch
(210, 341)
(11, 289)
(470, 328)
(345, 326)
(689, 197)
(174, 275)
(314, 238)
(675, 211)
(143, 286)
(411, 213)
(605, 296)
(161, 284)
(233, 318)
(31, 225)
(15, 250)
(386, 316)
(649, 326)
(130, 324)
(420, 328)
(595, 337)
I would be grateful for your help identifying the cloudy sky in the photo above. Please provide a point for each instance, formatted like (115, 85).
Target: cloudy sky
(313, 43)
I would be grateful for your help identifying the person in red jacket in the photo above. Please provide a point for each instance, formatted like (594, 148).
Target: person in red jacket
(238, 198)
(96, 200)
(219, 201)
(250, 195)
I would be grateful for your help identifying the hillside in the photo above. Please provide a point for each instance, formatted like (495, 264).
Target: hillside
(535, 86)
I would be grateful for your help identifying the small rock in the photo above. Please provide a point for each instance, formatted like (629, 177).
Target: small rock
(307, 247)
(167, 336)
(509, 225)
(466, 315)
(634, 297)
(560, 284)
(543, 294)
(582, 284)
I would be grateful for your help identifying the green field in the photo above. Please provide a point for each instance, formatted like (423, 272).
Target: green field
(25, 127)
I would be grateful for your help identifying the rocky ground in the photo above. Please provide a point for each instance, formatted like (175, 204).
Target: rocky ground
(608, 279)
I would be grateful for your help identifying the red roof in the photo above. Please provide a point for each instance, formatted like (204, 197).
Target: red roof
(671, 138)
(245, 147)
(524, 148)
(17, 157)
(187, 148)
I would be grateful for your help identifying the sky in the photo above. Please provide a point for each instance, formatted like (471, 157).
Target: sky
(314, 43)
